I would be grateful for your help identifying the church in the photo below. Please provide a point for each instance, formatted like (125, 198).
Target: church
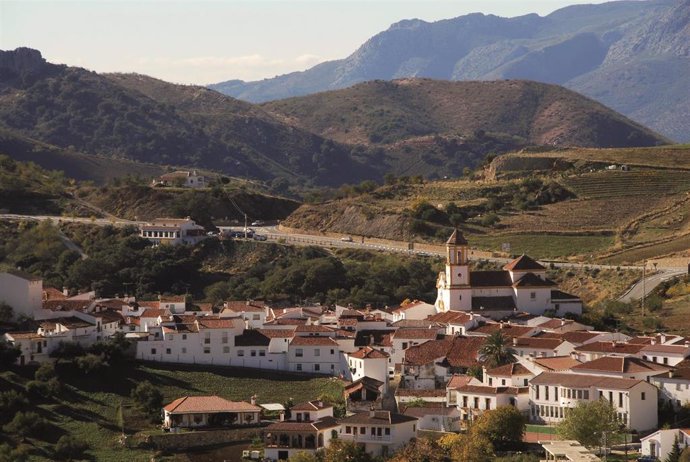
(522, 286)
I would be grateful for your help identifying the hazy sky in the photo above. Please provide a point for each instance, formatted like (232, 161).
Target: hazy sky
(204, 42)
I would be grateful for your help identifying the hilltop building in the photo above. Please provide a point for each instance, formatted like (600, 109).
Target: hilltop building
(183, 178)
(173, 231)
(522, 285)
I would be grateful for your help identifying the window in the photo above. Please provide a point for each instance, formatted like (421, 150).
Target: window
(665, 361)
(332, 351)
(503, 381)
(224, 339)
(299, 367)
(207, 339)
(404, 345)
(643, 396)
(317, 367)
(253, 353)
(153, 351)
(487, 403)
(262, 352)
(168, 351)
(184, 336)
(317, 352)
(240, 352)
(299, 352)
(532, 295)
(256, 317)
(362, 430)
(460, 297)
(347, 430)
(491, 381)
(536, 392)
(226, 349)
(546, 392)
(184, 350)
(170, 336)
(207, 350)
(387, 431)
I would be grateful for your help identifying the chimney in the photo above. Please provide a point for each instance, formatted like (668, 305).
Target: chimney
(515, 341)
(562, 322)
(501, 325)
(653, 341)
(252, 400)
(281, 416)
(65, 291)
(662, 338)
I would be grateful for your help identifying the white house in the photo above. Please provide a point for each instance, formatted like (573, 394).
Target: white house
(668, 355)
(594, 350)
(551, 394)
(316, 354)
(627, 367)
(473, 400)
(311, 427)
(33, 347)
(369, 362)
(508, 375)
(414, 310)
(380, 432)
(255, 314)
(22, 291)
(521, 286)
(457, 322)
(173, 231)
(674, 386)
(438, 418)
(209, 411)
(542, 347)
(659, 444)
(183, 178)
(402, 339)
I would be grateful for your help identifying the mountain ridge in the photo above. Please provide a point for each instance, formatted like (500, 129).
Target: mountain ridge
(583, 47)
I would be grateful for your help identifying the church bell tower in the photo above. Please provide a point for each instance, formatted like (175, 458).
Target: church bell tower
(454, 292)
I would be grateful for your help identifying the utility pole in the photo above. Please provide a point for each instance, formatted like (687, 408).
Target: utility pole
(245, 226)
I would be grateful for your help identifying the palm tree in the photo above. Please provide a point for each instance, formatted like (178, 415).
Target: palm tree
(495, 351)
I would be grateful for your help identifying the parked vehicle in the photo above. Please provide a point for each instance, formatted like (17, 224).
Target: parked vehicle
(346, 239)
(260, 237)
(257, 223)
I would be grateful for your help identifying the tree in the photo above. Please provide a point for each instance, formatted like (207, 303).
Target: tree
(10, 403)
(8, 354)
(8, 454)
(70, 448)
(495, 351)
(148, 398)
(674, 455)
(304, 456)
(25, 424)
(6, 312)
(345, 451)
(37, 388)
(472, 448)
(45, 372)
(588, 422)
(504, 427)
(420, 450)
(91, 364)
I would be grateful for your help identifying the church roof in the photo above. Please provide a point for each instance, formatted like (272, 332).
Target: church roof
(456, 238)
(532, 280)
(490, 279)
(523, 263)
(498, 303)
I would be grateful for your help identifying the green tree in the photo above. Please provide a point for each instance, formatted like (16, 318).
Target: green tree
(9, 454)
(496, 350)
(70, 448)
(8, 354)
(45, 372)
(420, 450)
(6, 312)
(10, 403)
(472, 447)
(504, 427)
(588, 422)
(148, 398)
(674, 455)
(304, 456)
(25, 424)
(345, 451)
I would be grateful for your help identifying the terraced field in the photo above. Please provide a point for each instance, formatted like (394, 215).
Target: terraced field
(612, 184)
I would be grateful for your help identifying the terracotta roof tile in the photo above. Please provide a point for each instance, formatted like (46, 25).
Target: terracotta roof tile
(556, 363)
(379, 418)
(369, 353)
(509, 370)
(457, 238)
(451, 317)
(201, 404)
(455, 351)
(499, 303)
(626, 365)
(532, 280)
(458, 380)
(277, 333)
(411, 333)
(310, 406)
(610, 347)
(490, 279)
(584, 381)
(523, 263)
(313, 341)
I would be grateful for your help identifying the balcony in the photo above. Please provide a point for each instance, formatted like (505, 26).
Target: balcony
(372, 438)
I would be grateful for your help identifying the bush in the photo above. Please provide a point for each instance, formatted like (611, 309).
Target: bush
(148, 398)
(489, 220)
(654, 303)
(10, 403)
(8, 354)
(70, 448)
(25, 424)
(41, 389)
(45, 372)
(8, 454)
(91, 364)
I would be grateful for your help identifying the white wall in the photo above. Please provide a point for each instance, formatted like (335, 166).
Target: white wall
(24, 296)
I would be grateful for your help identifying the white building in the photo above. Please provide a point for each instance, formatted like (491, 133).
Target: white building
(209, 411)
(668, 355)
(634, 401)
(22, 291)
(414, 310)
(380, 432)
(674, 386)
(316, 354)
(183, 178)
(255, 314)
(173, 231)
(624, 367)
(438, 418)
(369, 362)
(521, 286)
(311, 427)
(659, 444)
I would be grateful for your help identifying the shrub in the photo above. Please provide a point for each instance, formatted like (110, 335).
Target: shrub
(489, 220)
(8, 354)
(25, 424)
(45, 372)
(41, 389)
(69, 448)
(148, 398)
(91, 364)
(10, 403)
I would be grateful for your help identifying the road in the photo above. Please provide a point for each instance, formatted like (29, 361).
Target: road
(279, 235)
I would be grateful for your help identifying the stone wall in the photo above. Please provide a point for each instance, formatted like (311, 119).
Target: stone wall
(192, 439)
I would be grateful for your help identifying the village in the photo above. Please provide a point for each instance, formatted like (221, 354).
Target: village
(492, 339)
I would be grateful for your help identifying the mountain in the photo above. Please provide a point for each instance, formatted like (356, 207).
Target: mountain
(143, 119)
(630, 55)
(400, 111)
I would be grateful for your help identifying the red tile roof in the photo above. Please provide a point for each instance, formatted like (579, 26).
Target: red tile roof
(537, 343)
(457, 238)
(458, 380)
(369, 353)
(239, 306)
(610, 347)
(313, 341)
(155, 313)
(626, 365)
(556, 363)
(408, 333)
(509, 330)
(310, 406)
(50, 293)
(490, 279)
(457, 351)
(450, 317)
(413, 304)
(208, 404)
(210, 323)
(532, 280)
(523, 263)
(667, 349)
(277, 333)
(584, 381)
(314, 328)
(509, 370)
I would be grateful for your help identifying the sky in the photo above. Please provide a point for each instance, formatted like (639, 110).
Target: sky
(202, 42)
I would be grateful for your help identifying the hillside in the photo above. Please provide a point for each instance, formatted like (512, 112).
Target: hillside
(139, 118)
(382, 112)
(574, 203)
(631, 56)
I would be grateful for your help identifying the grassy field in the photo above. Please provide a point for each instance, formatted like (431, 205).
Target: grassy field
(86, 408)
(545, 245)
